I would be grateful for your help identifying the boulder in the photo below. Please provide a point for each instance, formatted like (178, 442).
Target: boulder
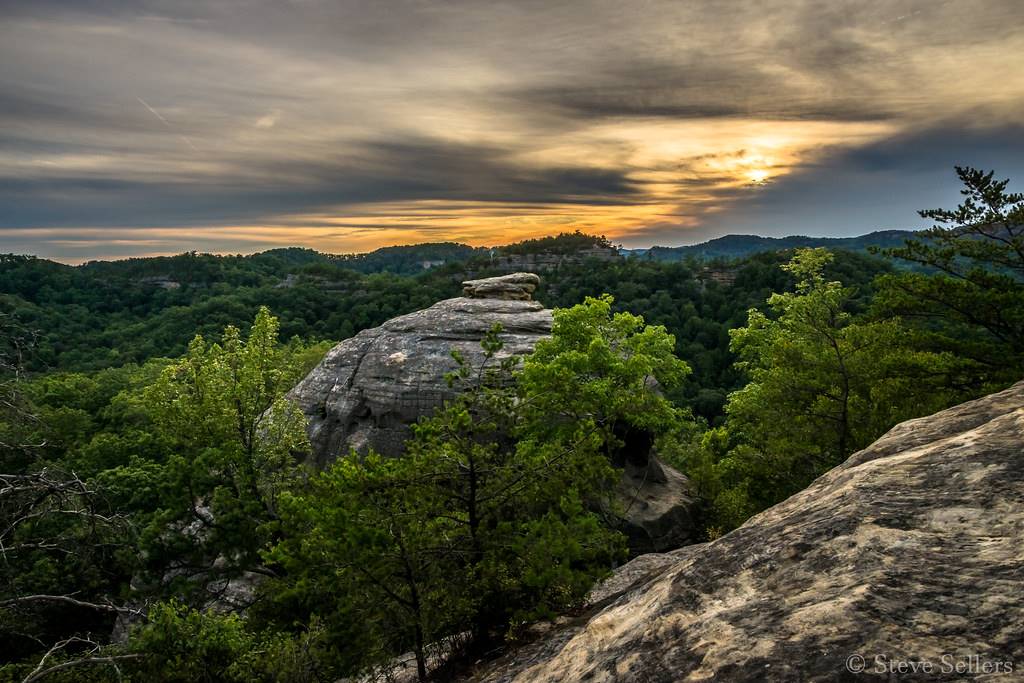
(369, 389)
(903, 563)
(659, 508)
(515, 287)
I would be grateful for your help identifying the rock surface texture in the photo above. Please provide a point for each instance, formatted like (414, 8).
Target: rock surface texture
(910, 554)
(369, 389)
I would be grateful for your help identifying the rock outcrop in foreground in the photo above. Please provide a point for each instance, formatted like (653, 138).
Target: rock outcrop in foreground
(906, 561)
(370, 389)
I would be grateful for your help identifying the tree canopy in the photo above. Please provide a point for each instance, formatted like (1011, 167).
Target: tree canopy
(970, 298)
(822, 384)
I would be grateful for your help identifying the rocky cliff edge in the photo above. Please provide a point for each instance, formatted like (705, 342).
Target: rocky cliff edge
(904, 563)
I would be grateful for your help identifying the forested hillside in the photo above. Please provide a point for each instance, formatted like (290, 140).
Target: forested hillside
(107, 314)
(740, 246)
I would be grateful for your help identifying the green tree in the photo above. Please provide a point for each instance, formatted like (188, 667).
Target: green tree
(64, 554)
(63, 549)
(18, 449)
(606, 370)
(970, 299)
(822, 383)
(449, 547)
(364, 550)
(180, 644)
(235, 437)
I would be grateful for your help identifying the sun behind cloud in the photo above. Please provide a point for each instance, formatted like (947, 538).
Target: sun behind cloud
(759, 176)
(350, 125)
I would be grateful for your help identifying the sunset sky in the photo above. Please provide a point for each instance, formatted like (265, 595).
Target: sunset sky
(160, 126)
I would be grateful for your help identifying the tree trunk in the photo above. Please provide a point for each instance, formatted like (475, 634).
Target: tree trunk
(421, 658)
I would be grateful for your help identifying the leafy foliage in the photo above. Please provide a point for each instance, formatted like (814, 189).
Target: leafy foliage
(822, 385)
(233, 435)
(180, 644)
(972, 300)
(58, 532)
(180, 465)
(563, 243)
(409, 259)
(599, 370)
(105, 315)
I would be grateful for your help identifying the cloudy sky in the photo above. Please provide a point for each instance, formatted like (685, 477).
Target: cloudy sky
(159, 126)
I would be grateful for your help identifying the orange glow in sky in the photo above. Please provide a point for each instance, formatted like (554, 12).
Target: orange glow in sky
(348, 126)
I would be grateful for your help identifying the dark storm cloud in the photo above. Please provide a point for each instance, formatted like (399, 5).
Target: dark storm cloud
(648, 120)
(940, 148)
(597, 102)
(382, 171)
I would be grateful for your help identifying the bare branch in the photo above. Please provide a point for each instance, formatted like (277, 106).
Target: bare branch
(109, 659)
(68, 600)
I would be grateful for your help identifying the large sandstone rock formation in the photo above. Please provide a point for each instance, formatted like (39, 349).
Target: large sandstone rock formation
(906, 561)
(369, 389)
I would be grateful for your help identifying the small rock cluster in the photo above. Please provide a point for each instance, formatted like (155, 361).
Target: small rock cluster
(512, 287)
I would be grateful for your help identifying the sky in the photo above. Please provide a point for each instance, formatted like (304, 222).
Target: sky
(162, 126)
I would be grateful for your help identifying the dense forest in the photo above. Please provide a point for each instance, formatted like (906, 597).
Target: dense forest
(111, 314)
(148, 469)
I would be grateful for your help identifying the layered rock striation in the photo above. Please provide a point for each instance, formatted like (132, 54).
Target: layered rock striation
(911, 553)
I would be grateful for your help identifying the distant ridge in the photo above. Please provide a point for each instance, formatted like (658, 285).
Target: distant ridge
(740, 246)
(412, 259)
(409, 259)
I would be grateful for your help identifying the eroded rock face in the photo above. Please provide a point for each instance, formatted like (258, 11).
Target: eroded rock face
(911, 551)
(369, 389)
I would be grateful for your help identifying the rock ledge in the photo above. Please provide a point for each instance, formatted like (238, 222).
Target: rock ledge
(910, 551)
